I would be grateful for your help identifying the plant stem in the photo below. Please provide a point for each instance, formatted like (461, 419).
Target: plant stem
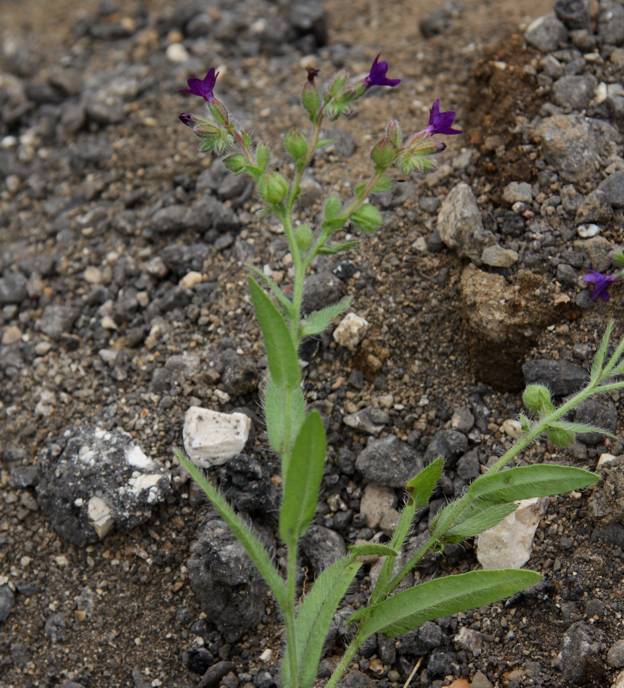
(343, 665)
(289, 614)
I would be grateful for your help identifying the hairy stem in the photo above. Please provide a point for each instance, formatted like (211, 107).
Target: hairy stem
(289, 613)
(343, 665)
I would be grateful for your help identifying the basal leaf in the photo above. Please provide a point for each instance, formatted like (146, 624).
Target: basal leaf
(372, 549)
(422, 485)
(304, 474)
(480, 518)
(319, 321)
(276, 399)
(281, 354)
(442, 597)
(525, 482)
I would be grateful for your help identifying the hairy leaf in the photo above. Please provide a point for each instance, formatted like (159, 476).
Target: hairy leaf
(332, 249)
(422, 485)
(480, 518)
(276, 399)
(599, 358)
(319, 321)
(372, 549)
(442, 597)
(580, 428)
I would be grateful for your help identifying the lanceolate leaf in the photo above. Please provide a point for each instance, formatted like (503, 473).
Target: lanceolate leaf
(442, 597)
(303, 479)
(319, 321)
(372, 549)
(332, 249)
(422, 485)
(315, 617)
(281, 353)
(599, 358)
(482, 518)
(525, 482)
(252, 544)
(282, 299)
(279, 403)
(579, 427)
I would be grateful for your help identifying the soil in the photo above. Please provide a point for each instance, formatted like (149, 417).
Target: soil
(127, 610)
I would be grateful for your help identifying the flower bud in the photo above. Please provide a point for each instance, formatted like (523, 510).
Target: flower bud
(187, 119)
(218, 111)
(561, 438)
(536, 398)
(311, 100)
(367, 218)
(304, 237)
(273, 188)
(235, 163)
(394, 133)
(296, 145)
(384, 153)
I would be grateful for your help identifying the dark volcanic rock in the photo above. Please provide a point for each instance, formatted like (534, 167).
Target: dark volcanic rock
(561, 377)
(388, 461)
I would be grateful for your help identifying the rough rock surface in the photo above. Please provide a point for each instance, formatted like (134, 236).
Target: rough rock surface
(94, 480)
(212, 438)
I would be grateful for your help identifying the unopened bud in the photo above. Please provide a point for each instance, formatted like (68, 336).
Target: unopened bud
(311, 100)
(235, 163)
(296, 145)
(187, 119)
(536, 399)
(304, 236)
(218, 111)
(384, 153)
(273, 188)
(393, 133)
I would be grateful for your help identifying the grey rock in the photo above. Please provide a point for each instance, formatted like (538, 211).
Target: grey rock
(561, 377)
(92, 480)
(576, 145)
(435, 22)
(598, 250)
(370, 420)
(574, 92)
(498, 257)
(566, 274)
(607, 498)
(309, 18)
(184, 258)
(229, 589)
(57, 320)
(322, 547)
(12, 288)
(170, 219)
(579, 656)
(215, 673)
(320, 290)
(468, 466)
(615, 655)
(421, 641)
(23, 476)
(601, 412)
(518, 192)
(460, 225)
(613, 189)
(200, 25)
(357, 679)
(449, 444)
(573, 13)
(546, 34)
(595, 207)
(611, 24)
(388, 461)
(615, 105)
(7, 600)
(55, 627)
(442, 662)
(342, 142)
(239, 373)
(462, 419)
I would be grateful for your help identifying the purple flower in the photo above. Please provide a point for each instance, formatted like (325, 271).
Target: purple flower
(599, 284)
(377, 75)
(441, 122)
(203, 87)
(187, 119)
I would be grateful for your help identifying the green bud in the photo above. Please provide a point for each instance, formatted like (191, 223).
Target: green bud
(536, 399)
(296, 145)
(384, 153)
(367, 218)
(263, 155)
(235, 163)
(273, 188)
(304, 236)
(618, 259)
(311, 100)
(394, 133)
(218, 111)
(561, 438)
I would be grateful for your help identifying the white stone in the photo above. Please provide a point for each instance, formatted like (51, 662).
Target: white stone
(588, 231)
(512, 428)
(191, 279)
(508, 544)
(604, 459)
(619, 681)
(212, 438)
(498, 257)
(136, 457)
(176, 52)
(149, 482)
(376, 501)
(350, 331)
(100, 516)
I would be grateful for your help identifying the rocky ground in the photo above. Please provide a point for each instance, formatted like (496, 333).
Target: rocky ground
(123, 300)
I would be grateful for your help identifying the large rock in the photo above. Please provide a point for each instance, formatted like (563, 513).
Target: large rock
(212, 438)
(546, 34)
(388, 462)
(509, 543)
(322, 547)
(229, 588)
(574, 14)
(460, 226)
(561, 377)
(576, 145)
(580, 661)
(502, 322)
(94, 480)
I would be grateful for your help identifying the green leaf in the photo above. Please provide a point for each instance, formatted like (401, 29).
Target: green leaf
(252, 544)
(482, 518)
(321, 143)
(332, 207)
(367, 218)
(303, 479)
(281, 298)
(614, 360)
(333, 249)
(276, 400)
(281, 354)
(541, 480)
(442, 597)
(315, 616)
(372, 549)
(319, 321)
(580, 428)
(422, 485)
(449, 516)
(599, 358)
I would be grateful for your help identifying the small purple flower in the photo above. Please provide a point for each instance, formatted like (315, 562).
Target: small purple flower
(187, 119)
(203, 87)
(377, 75)
(312, 74)
(600, 284)
(441, 122)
